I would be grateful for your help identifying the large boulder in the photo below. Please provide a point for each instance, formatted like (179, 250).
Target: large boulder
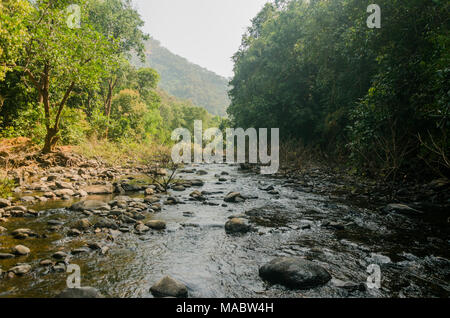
(100, 189)
(237, 225)
(169, 287)
(295, 273)
(82, 292)
(90, 205)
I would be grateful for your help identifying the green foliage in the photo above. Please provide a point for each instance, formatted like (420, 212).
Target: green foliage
(316, 71)
(6, 187)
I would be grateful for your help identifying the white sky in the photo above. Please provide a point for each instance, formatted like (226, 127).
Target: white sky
(206, 32)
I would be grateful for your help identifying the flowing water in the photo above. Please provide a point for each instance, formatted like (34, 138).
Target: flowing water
(412, 253)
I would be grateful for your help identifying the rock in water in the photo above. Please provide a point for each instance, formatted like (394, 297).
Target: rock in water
(21, 250)
(90, 205)
(234, 197)
(237, 225)
(156, 224)
(169, 287)
(82, 292)
(295, 273)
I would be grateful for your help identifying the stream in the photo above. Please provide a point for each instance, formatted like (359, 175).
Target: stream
(412, 252)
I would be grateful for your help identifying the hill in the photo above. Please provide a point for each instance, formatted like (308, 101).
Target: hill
(186, 80)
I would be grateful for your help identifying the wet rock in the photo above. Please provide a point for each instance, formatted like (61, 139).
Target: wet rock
(4, 203)
(28, 199)
(237, 225)
(63, 185)
(94, 246)
(6, 255)
(401, 209)
(156, 224)
(106, 223)
(378, 259)
(81, 250)
(333, 225)
(223, 179)
(100, 189)
(60, 255)
(21, 250)
(234, 197)
(81, 193)
(3, 229)
(149, 191)
(349, 286)
(74, 232)
(202, 172)
(55, 222)
(46, 262)
(23, 233)
(60, 267)
(82, 225)
(151, 200)
(295, 273)
(141, 228)
(90, 205)
(179, 188)
(172, 201)
(169, 287)
(82, 292)
(64, 192)
(20, 269)
(188, 214)
(197, 183)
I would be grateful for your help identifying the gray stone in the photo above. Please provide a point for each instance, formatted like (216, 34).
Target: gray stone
(234, 197)
(237, 225)
(90, 205)
(100, 189)
(106, 223)
(295, 273)
(169, 287)
(82, 292)
(156, 224)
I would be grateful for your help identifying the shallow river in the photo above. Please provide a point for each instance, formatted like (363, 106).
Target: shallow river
(412, 253)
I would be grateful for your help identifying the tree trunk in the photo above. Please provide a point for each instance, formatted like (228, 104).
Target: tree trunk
(50, 140)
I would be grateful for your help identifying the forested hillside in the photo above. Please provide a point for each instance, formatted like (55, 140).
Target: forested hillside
(64, 85)
(378, 97)
(186, 80)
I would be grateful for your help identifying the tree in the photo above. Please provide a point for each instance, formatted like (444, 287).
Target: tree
(58, 59)
(120, 23)
(13, 33)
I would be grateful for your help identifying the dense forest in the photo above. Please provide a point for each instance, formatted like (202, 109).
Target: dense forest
(186, 80)
(64, 85)
(377, 98)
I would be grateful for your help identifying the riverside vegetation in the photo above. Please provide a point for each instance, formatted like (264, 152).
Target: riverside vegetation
(86, 180)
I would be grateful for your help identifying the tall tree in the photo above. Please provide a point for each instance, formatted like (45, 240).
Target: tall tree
(58, 58)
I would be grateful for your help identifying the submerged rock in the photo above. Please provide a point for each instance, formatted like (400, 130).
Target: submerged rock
(295, 273)
(169, 287)
(237, 225)
(82, 292)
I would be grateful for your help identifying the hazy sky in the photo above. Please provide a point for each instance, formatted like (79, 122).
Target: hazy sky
(206, 32)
